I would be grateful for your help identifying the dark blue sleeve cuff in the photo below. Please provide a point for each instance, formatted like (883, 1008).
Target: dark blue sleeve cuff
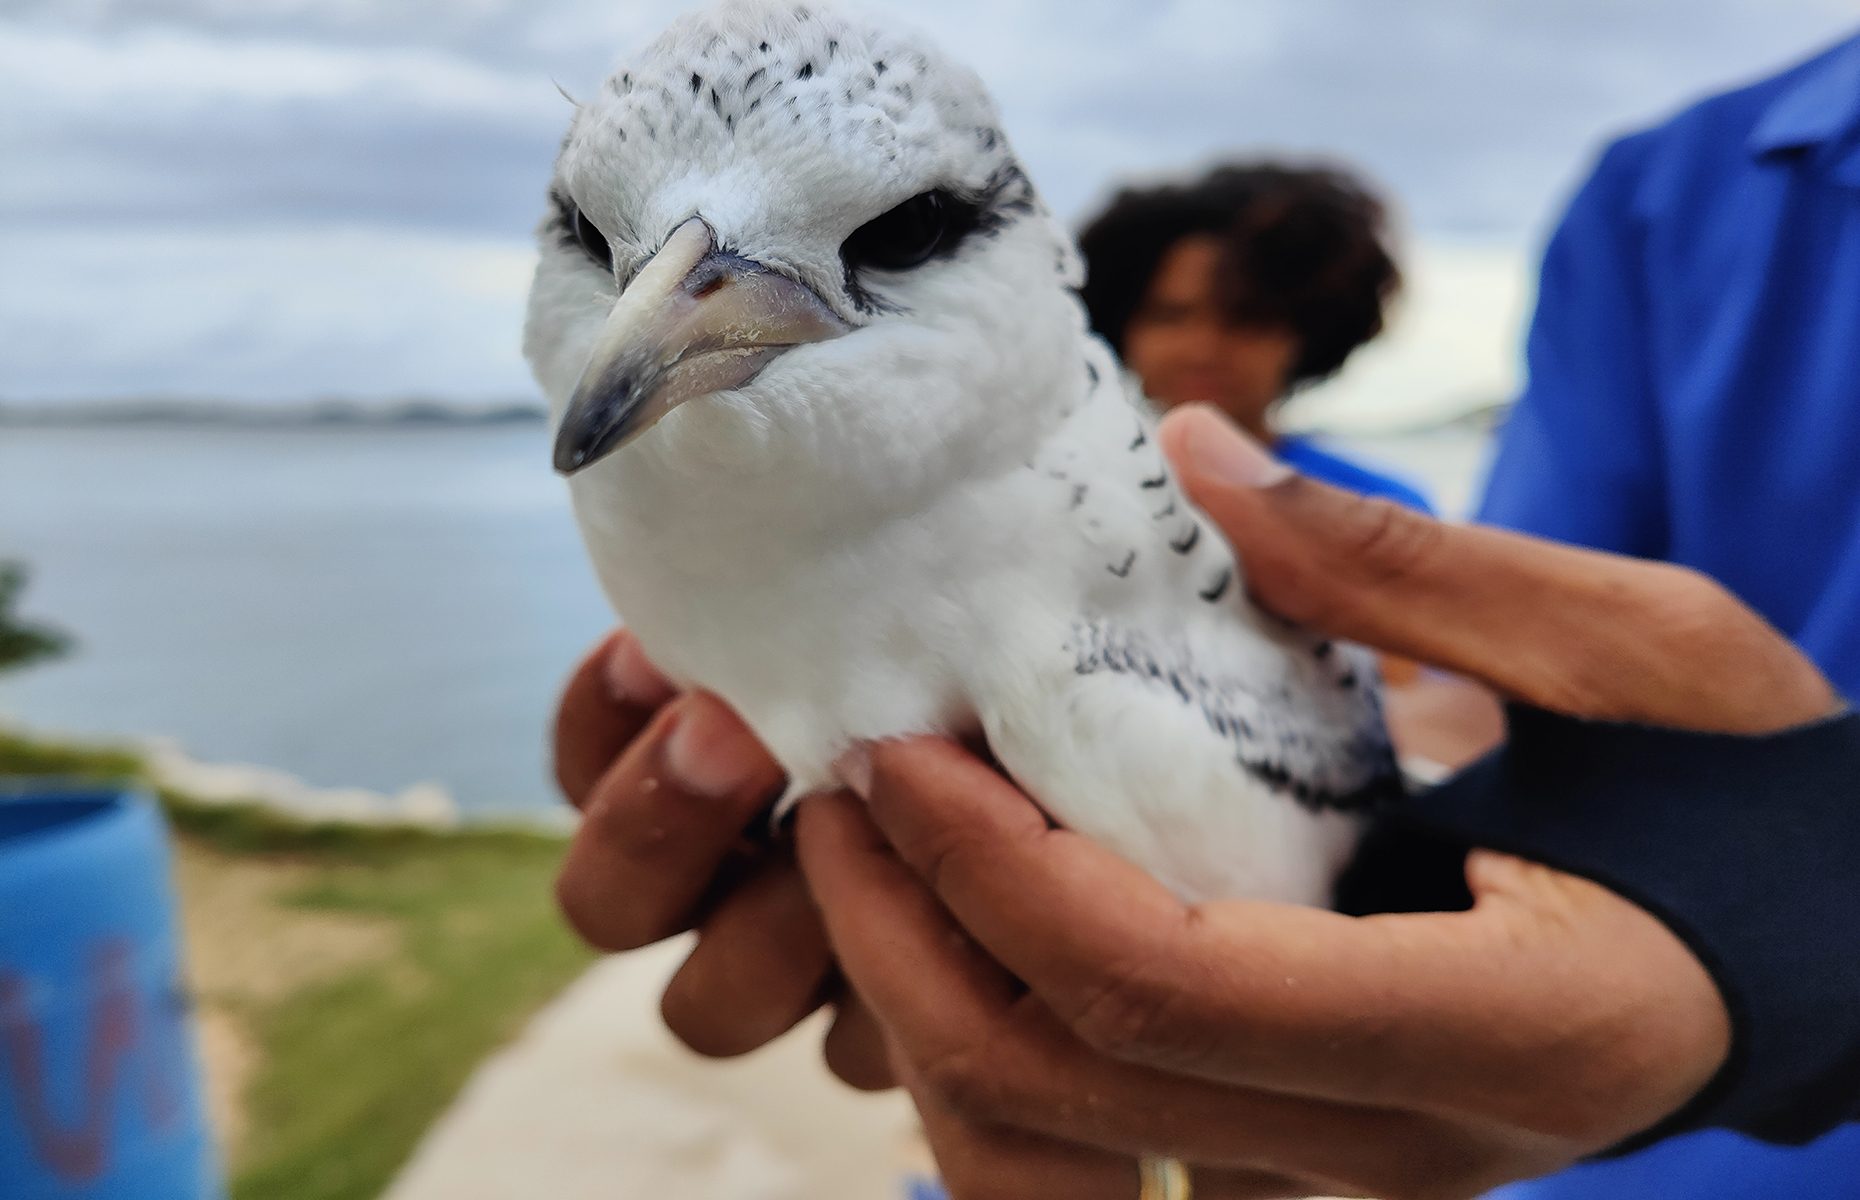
(1748, 848)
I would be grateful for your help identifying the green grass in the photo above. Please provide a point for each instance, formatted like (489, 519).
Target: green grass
(356, 1067)
(20, 755)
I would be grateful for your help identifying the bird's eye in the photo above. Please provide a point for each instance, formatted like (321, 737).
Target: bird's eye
(590, 239)
(907, 235)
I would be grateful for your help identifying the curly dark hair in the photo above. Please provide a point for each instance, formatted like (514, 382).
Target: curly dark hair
(1304, 247)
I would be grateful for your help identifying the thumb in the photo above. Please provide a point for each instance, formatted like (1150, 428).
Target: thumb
(1576, 631)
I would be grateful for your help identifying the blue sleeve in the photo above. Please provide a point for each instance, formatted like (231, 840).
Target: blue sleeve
(1579, 459)
(1303, 456)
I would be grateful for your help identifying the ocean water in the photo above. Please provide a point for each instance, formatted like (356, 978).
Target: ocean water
(360, 606)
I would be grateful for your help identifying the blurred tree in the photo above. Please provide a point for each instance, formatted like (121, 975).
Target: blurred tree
(22, 643)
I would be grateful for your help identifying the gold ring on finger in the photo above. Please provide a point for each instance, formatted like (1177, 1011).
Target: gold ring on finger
(1163, 1179)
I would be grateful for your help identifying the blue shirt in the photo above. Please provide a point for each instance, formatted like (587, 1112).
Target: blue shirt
(1694, 396)
(1299, 454)
(1694, 387)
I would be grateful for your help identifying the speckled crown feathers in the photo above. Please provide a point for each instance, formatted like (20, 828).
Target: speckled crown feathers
(804, 109)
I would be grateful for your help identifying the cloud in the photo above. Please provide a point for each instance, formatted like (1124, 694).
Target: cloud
(1477, 112)
(263, 314)
(1478, 115)
(191, 128)
(239, 153)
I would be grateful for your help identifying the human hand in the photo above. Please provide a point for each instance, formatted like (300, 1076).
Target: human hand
(673, 790)
(1576, 631)
(1056, 1013)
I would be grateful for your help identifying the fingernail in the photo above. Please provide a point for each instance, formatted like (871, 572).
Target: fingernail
(1229, 456)
(710, 752)
(855, 770)
(631, 677)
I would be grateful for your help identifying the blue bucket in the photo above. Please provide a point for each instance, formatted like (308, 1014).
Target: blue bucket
(99, 1084)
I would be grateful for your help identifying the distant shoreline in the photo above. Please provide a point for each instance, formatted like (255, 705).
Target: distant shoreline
(425, 412)
(413, 411)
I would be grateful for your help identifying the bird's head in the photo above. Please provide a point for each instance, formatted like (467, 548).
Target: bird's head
(805, 229)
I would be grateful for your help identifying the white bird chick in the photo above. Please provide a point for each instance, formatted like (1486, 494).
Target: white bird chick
(844, 453)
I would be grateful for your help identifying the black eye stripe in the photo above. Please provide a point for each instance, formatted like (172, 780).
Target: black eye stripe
(592, 241)
(579, 232)
(928, 224)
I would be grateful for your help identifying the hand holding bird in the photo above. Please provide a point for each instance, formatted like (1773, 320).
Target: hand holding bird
(1474, 1070)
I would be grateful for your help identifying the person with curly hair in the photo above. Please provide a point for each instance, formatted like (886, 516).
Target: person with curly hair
(1239, 288)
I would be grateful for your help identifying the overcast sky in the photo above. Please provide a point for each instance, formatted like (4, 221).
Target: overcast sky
(280, 199)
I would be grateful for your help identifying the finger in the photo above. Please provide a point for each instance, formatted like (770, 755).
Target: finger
(1667, 1021)
(979, 1162)
(1578, 631)
(855, 1045)
(757, 969)
(1443, 718)
(607, 701)
(997, 1058)
(1552, 979)
(982, 1162)
(662, 821)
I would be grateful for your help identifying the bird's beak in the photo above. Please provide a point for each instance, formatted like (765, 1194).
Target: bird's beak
(694, 320)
